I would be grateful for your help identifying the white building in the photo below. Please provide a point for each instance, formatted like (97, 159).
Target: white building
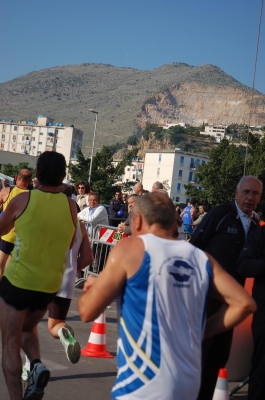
(132, 173)
(167, 126)
(31, 138)
(217, 131)
(175, 166)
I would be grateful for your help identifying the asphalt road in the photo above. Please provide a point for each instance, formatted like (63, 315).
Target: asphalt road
(90, 378)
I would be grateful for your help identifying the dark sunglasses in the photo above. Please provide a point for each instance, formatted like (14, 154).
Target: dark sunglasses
(81, 187)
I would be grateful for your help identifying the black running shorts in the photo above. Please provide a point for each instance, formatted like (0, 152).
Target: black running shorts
(6, 247)
(22, 299)
(59, 307)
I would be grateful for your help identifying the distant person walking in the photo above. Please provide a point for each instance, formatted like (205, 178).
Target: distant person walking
(188, 216)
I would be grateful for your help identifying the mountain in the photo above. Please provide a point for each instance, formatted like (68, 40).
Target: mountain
(127, 98)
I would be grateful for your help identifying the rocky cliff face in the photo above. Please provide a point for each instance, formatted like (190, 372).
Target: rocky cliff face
(195, 103)
(127, 98)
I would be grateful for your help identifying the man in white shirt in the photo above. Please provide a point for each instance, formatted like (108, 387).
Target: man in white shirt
(95, 213)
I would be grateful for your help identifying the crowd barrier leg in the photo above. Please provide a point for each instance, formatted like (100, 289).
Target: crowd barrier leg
(239, 386)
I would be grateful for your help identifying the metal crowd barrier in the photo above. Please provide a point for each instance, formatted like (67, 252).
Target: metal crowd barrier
(103, 239)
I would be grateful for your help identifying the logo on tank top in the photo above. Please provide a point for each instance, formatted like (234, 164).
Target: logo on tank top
(181, 272)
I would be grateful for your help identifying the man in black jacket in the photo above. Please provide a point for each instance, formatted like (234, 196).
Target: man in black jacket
(116, 204)
(222, 234)
(251, 264)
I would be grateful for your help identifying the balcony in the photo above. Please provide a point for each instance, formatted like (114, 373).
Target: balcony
(193, 167)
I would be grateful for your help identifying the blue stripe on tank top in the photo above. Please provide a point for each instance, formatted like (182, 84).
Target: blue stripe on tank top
(130, 329)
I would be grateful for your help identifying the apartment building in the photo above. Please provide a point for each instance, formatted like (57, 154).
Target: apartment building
(132, 173)
(33, 138)
(176, 167)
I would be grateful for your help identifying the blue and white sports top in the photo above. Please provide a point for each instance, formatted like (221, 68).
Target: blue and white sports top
(161, 323)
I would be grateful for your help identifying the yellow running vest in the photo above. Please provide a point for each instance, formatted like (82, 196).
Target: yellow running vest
(43, 235)
(11, 236)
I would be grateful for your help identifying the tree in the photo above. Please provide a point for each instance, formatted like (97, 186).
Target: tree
(127, 160)
(80, 170)
(103, 175)
(12, 170)
(220, 176)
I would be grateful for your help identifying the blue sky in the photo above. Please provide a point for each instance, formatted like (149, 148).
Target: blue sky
(142, 34)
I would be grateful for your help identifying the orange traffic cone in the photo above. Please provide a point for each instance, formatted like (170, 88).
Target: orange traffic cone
(96, 345)
(221, 388)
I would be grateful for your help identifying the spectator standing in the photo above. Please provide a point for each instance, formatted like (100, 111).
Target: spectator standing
(157, 185)
(202, 212)
(222, 233)
(161, 304)
(4, 184)
(95, 213)
(116, 205)
(178, 209)
(138, 189)
(251, 264)
(124, 198)
(125, 226)
(83, 189)
(45, 222)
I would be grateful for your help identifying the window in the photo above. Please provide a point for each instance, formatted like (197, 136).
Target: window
(158, 172)
(203, 162)
(197, 161)
(13, 146)
(178, 187)
(4, 128)
(180, 174)
(190, 176)
(3, 137)
(14, 137)
(192, 163)
(133, 176)
(159, 158)
(173, 198)
(2, 145)
(128, 169)
(39, 153)
(33, 138)
(181, 161)
(15, 128)
(41, 133)
(196, 178)
(177, 198)
(40, 142)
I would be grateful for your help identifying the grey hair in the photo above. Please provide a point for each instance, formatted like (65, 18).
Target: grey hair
(247, 177)
(158, 185)
(133, 195)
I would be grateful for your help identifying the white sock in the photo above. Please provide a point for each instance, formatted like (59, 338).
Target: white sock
(27, 363)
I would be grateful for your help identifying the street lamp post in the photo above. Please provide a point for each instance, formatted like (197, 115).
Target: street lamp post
(93, 144)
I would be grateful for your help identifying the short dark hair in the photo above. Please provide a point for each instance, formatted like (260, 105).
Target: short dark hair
(51, 167)
(95, 194)
(156, 208)
(193, 201)
(85, 184)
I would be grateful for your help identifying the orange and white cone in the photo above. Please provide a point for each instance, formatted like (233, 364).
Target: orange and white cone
(96, 345)
(221, 388)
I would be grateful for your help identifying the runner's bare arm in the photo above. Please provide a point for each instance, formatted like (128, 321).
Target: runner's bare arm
(123, 261)
(14, 209)
(237, 302)
(85, 252)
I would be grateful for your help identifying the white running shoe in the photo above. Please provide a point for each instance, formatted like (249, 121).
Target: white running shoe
(37, 380)
(71, 346)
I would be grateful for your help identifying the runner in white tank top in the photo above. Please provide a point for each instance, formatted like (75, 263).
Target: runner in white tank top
(162, 286)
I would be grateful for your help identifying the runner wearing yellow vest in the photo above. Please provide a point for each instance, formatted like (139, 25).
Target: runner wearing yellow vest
(45, 222)
(23, 179)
